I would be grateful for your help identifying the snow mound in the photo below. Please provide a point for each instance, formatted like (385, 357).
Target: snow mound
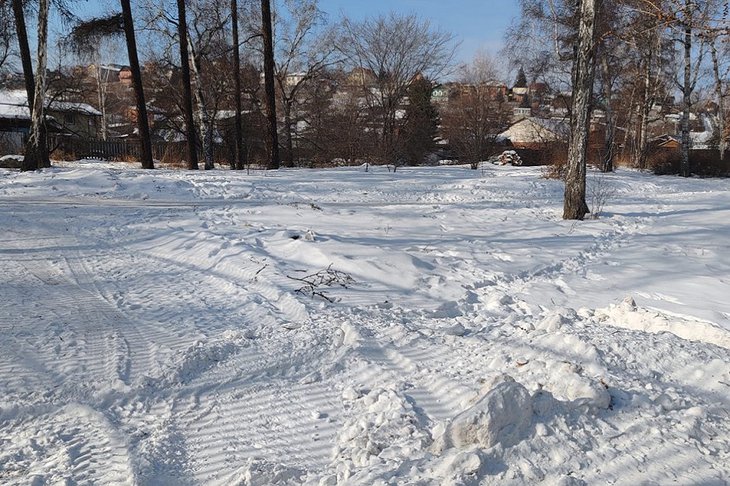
(502, 416)
(382, 431)
(259, 472)
(568, 382)
(201, 357)
(628, 315)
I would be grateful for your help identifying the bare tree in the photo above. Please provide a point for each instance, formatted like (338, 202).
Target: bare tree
(542, 42)
(575, 206)
(142, 121)
(719, 94)
(36, 140)
(305, 49)
(270, 92)
(239, 157)
(651, 59)
(36, 150)
(91, 39)
(208, 49)
(686, 85)
(182, 27)
(689, 20)
(7, 34)
(477, 112)
(393, 50)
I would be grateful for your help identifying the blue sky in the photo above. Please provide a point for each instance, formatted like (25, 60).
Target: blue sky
(477, 24)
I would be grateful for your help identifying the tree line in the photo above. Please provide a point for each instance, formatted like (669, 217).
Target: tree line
(273, 69)
(625, 56)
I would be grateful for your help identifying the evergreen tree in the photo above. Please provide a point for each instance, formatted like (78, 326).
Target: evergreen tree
(521, 81)
(421, 122)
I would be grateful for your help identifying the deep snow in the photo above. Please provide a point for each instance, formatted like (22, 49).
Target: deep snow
(155, 328)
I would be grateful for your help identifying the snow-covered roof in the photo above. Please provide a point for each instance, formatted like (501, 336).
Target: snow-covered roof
(704, 139)
(14, 104)
(534, 129)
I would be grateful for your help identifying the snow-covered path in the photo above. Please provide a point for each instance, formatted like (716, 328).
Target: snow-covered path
(152, 331)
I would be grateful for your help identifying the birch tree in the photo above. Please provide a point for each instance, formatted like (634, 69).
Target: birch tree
(182, 25)
(37, 138)
(575, 206)
(86, 38)
(719, 94)
(91, 40)
(36, 150)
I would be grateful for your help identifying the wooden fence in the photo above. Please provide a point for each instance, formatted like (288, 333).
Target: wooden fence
(172, 152)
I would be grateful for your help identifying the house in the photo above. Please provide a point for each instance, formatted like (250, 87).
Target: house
(521, 112)
(441, 93)
(665, 142)
(111, 73)
(78, 120)
(361, 77)
(536, 133)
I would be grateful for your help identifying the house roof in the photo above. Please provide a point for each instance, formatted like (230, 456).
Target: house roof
(14, 105)
(703, 139)
(534, 129)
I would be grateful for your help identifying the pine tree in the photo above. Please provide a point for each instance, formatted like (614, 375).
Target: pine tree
(422, 120)
(521, 81)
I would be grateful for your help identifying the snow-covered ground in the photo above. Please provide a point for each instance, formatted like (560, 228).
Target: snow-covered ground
(158, 328)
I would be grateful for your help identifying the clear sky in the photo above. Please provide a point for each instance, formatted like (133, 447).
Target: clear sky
(477, 24)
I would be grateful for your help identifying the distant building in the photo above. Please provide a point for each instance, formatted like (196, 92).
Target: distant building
(535, 133)
(72, 119)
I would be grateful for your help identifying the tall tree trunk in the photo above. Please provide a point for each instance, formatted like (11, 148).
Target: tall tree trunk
(721, 144)
(182, 28)
(288, 138)
(238, 161)
(142, 121)
(270, 94)
(646, 101)
(101, 87)
(204, 118)
(609, 134)
(575, 206)
(686, 91)
(629, 142)
(37, 140)
(34, 156)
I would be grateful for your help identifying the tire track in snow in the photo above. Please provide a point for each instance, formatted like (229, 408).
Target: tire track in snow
(71, 445)
(435, 393)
